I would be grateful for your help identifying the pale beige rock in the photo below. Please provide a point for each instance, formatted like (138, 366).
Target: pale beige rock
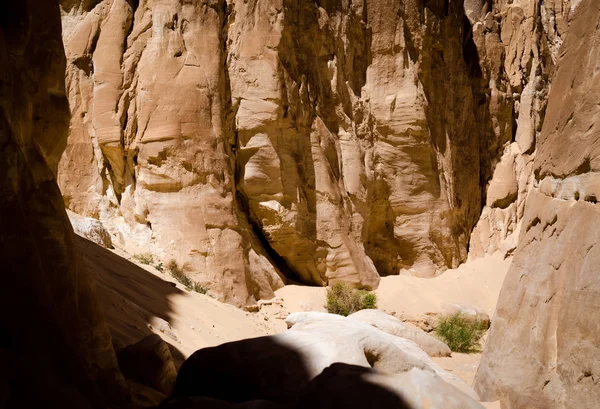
(393, 326)
(542, 349)
(323, 339)
(256, 140)
(518, 42)
(149, 147)
(91, 229)
(503, 188)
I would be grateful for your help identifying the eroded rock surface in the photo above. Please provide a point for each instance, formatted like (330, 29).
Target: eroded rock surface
(264, 139)
(542, 349)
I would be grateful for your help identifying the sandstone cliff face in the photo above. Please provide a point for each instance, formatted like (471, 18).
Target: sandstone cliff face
(518, 43)
(55, 346)
(265, 139)
(543, 345)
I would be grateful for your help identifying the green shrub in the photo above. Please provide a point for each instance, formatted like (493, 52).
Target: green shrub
(460, 332)
(199, 288)
(345, 300)
(145, 258)
(179, 274)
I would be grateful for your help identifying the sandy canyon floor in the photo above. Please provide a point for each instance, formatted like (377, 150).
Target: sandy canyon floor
(139, 300)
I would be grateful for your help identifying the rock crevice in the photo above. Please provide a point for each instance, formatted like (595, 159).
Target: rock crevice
(325, 142)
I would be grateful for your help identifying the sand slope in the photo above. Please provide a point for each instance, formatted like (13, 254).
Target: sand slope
(138, 300)
(477, 282)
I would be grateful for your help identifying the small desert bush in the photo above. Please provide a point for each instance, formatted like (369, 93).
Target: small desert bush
(178, 273)
(144, 258)
(199, 288)
(344, 300)
(460, 332)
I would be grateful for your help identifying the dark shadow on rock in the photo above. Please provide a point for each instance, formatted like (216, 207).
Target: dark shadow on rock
(130, 296)
(345, 386)
(150, 363)
(262, 369)
(251, 369)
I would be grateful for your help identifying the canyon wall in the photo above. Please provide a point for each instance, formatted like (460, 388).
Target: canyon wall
(543, 348)
(55, 347)
(518, 44)
(271, 140)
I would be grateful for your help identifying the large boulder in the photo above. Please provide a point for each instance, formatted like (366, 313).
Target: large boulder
(55, 346)
(356, 387)
(278, 367)
(392, 325)
(358, 343)
(90, 229)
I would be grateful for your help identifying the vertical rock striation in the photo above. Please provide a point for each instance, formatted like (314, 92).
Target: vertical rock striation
(543, 349)
(150, 150)
(263, 140)
(518, 43)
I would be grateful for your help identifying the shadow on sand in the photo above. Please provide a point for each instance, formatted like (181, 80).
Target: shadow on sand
(260, 370)
(129, 295)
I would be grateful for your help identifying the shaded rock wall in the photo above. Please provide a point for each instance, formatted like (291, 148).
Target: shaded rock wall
(542, 350)
(260, 140)
(518, 43)
(55, 347)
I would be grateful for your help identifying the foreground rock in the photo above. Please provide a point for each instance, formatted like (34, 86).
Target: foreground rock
(346, 386)
(544, 342)
(393, 326)
(355, 387)
(55, 346)
(196, 402)
(149, 362)
(354, 342)
(278, 368)
(326, 363)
